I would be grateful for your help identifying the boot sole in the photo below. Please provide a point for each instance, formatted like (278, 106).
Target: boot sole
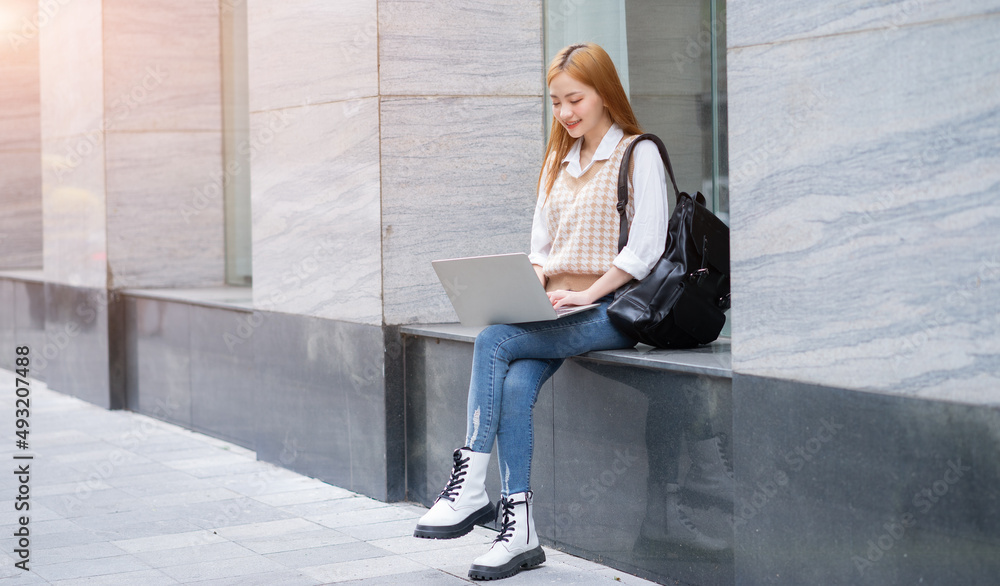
(483, 515)
(528, 559)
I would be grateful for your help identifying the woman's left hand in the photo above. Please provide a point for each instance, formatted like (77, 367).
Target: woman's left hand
(562, 297)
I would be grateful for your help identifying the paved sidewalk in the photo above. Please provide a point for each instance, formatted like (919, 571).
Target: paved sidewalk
(120, 498)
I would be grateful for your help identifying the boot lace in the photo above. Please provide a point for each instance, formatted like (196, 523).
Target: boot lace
(505, 506)
(458, 471)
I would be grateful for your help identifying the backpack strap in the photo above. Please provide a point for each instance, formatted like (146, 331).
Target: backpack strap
(623, 182)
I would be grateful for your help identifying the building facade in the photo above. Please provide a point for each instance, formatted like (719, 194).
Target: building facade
(222, 214)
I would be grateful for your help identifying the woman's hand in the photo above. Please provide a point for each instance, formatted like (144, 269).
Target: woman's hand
(562, 298)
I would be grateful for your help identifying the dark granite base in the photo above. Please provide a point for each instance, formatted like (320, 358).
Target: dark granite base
(22, 323)
(76, 355)
(321, 401)
(842, 487)
(311, 395)
(599, 431)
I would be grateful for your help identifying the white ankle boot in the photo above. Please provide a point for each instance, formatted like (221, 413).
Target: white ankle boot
(463, 503)
(516, 547)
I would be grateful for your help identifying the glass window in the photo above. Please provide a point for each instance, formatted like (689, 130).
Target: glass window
(671, 57)
(235, 138)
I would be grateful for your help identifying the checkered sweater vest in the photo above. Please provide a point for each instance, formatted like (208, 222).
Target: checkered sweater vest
(583, 220)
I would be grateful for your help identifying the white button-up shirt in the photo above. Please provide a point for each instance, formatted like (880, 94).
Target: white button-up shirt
(648, 232)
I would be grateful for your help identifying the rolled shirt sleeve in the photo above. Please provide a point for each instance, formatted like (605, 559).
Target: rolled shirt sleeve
(648, 232)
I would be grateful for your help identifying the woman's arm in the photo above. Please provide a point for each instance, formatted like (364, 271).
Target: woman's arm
(608, 283)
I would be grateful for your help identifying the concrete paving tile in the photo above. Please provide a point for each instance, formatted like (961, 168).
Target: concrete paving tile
(205, 494)
(370, 531)
(101, 452)
(114, 532)
(11, 574)
(59, 438)
(293, 541)
(210, 459)
(312, 495)
(79, 536)
(87, 551)
(89, 568)
(284, 578)
(85, 503)
(449, 557)
(169, 541)
(194, 554)
(621, 577)
(327, 554)
(411, 544)
(268, 480)
(422, 578)
(43, 528)
(344, 505)
(363, 569)
(280, 527)
(144, 577)
(238, 511)
(132, 470)
(212, 470)
(223, 569)
(351, 518)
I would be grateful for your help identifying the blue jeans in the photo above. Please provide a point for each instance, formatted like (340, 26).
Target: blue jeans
(509, 365)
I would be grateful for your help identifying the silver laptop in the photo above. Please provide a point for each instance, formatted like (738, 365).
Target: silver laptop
(498, 289)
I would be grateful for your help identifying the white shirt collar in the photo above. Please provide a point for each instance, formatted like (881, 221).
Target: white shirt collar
(604, 150)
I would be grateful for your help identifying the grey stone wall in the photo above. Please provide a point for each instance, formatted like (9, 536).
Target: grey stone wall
(866, 228)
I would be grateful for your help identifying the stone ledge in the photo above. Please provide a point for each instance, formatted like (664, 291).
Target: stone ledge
(235, 298)
(714, 359)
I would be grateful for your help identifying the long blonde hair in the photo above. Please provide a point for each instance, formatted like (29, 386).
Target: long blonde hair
(589, 64)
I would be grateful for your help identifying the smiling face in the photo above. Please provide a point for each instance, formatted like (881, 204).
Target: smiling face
(579, 108)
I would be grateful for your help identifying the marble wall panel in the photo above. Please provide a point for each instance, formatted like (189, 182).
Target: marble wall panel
(71, 70)
(73, 211)
(866, 229)
(311, 51)
(464, 188)
(21, 201)
(162, 65)
(19, 101)
(460, 48)
(165, 209)
(316, 211)
(754, 23)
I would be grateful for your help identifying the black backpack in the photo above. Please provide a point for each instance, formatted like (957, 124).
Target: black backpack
(682, 302)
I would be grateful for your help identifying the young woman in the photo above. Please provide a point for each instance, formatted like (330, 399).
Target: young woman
(574, 249)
